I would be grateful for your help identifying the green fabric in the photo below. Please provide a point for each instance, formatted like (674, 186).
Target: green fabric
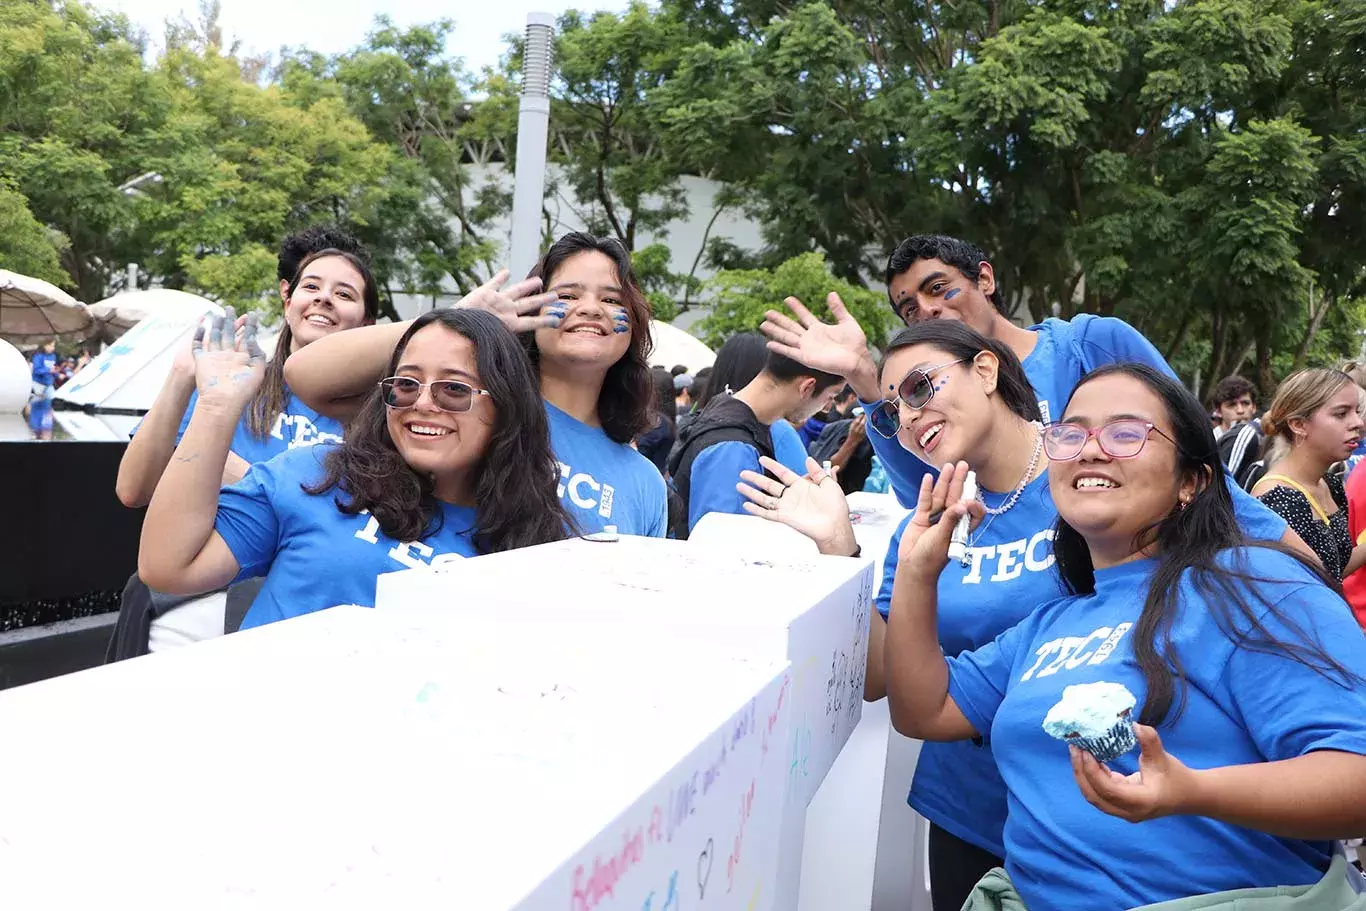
(994, 892)
(1334, 892)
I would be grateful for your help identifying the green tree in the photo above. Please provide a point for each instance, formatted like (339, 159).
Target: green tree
(741, 297)
(25, 245)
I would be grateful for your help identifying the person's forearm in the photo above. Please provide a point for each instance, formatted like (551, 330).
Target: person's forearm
(150, 450)
(917, 679)
(1358, 559)
(864, 381)
(181, 516)
(874, 681)
(1317, 796)
(335, 373)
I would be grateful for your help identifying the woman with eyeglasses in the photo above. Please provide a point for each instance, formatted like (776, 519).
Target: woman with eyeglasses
(957, 396)
(1247, 672)
(588, 339)
(1312, 424)
(448, 457)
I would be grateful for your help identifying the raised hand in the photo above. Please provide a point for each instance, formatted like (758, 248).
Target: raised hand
(1162, 786)
(925, 540)
(841, 348)
(816, 508)
(229, 365)
(518, 306)
(183, 364)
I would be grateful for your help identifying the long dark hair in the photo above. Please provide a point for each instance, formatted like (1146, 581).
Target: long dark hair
(516, 501)
(738, 362)
(269, 400)
(665, 408)
(1191, 539)
(624, 403)
(962, 342)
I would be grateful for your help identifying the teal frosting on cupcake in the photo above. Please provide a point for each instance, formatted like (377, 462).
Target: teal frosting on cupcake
(1097, 717)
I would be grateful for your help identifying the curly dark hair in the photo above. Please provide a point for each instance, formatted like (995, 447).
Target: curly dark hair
(269, 400)
(962, 255)
(517, 503)
(624, 406)
(310, 240)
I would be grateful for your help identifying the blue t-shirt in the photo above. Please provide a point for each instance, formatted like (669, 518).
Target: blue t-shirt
(1242, 706)
(313, 555)
(1065, 352)
(715, 472)
(787, 446)
(44, 365)
(603, 482)
(296, 425)
(1355, 458)
(1009, 573)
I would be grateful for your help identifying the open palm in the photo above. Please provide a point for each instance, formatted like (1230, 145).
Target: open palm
(839, 347)
(817, 509)
(925, 540)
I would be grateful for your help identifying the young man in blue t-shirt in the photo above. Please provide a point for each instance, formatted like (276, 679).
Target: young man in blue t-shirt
(734, 430)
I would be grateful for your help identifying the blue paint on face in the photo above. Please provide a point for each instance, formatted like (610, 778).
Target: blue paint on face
(952, 293)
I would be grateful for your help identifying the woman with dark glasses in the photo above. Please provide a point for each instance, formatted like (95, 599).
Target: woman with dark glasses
(958, 397)
(1246, 673)
(448, 457)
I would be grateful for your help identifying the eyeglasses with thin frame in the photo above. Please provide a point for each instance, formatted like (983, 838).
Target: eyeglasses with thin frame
(447, 395)
(1119, 439)
(915, 390)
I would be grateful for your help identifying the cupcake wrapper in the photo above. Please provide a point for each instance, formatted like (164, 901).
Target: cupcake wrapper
(1113, 744)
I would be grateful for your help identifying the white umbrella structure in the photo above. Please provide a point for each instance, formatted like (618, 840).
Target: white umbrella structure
(116, 315)
(32, 309)
(674, 346)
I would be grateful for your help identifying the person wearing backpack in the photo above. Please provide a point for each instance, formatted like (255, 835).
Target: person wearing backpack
(733, 431)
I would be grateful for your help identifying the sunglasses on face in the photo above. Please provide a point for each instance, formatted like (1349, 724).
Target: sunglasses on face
(447, 395)
(1121, 439)
(914, 391)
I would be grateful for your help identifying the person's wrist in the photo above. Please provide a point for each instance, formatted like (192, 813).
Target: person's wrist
(1189, 791)
(863, 380)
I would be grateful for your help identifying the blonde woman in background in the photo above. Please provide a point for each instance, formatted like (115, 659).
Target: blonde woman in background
(1312, 424)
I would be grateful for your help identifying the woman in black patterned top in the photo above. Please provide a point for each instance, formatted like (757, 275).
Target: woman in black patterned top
(1313, 422)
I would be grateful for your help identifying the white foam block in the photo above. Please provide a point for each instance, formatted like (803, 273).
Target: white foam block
(347, 760)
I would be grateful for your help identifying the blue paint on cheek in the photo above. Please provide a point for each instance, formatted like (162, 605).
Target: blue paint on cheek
(952, 293)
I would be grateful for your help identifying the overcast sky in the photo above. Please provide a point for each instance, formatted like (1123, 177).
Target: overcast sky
(330, 26)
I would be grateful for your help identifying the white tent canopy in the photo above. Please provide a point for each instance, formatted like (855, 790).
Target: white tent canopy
(674, 346)
(129, 373)
(32, 309)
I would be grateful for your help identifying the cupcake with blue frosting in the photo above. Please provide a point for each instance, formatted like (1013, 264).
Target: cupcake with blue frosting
(1097, 717)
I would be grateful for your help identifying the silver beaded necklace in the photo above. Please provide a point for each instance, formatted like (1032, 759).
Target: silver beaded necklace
(1014, 496)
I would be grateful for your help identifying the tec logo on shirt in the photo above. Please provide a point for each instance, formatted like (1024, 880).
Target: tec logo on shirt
(298, 430)
(585, 492)
(409, 554)
(1007, 560)
(1071, 652)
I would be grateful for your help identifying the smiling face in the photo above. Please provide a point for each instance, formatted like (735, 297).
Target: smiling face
(932, 289)
(955, 424)
(328, 298)
(596, 330)
(1334, 430)
(443, 444)
(1110, 501)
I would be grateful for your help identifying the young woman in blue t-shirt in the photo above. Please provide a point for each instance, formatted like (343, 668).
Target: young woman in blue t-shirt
(588, 338)
(448, 456)
(325, 291)
(953, 395)
(1248, 669)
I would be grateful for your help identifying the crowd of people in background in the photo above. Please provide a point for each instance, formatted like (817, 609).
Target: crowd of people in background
(1109, 529)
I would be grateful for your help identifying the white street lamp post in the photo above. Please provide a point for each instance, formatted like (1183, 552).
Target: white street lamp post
(533, 123)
